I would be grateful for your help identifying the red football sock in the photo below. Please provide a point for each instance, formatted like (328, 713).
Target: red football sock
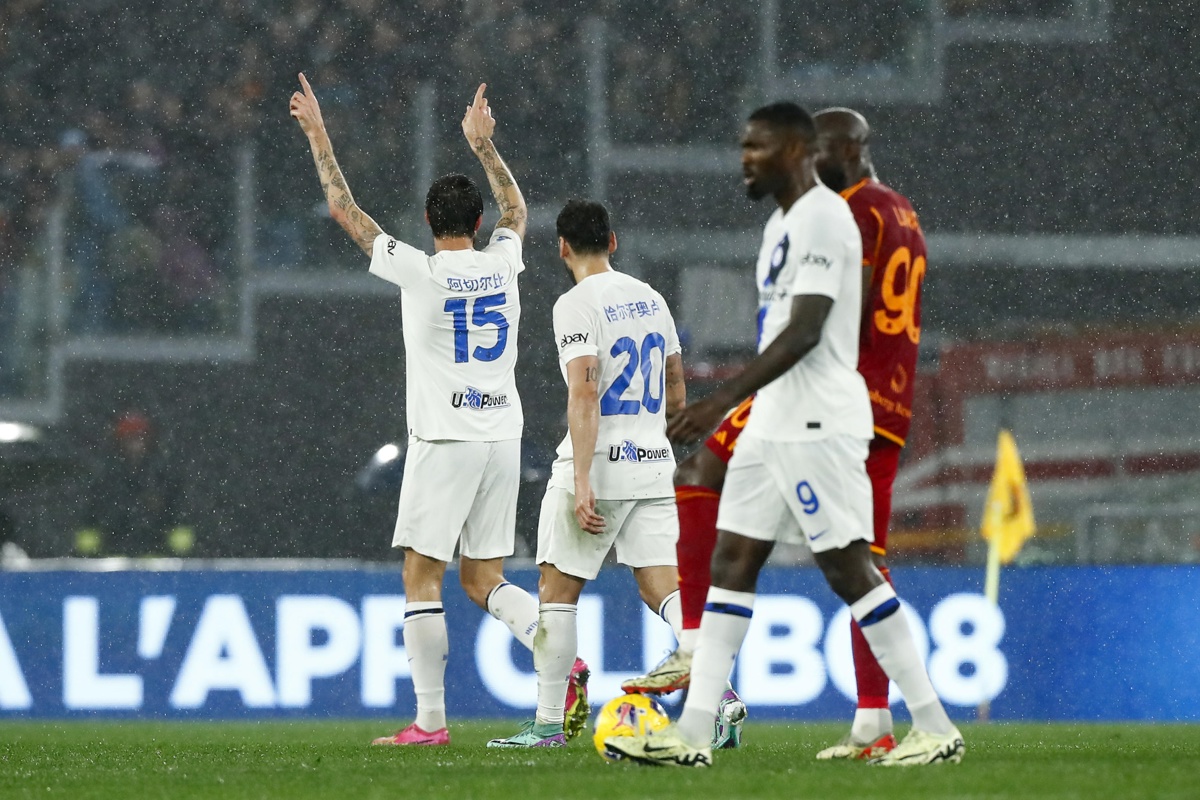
(697, 540)
(871, 679)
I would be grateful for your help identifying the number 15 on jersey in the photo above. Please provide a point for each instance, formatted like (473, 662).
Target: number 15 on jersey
(482, 316)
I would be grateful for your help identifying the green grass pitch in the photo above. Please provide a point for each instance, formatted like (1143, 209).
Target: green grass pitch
(305, 759)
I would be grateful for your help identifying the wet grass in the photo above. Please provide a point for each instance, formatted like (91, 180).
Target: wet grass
(305, 759)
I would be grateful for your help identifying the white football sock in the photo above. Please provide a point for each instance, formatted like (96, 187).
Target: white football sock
(428, 646)
(517, 609)
(687, 639)
(886, 630)
(722, 629)
(671, 610)
(870, 724)
(554, 650)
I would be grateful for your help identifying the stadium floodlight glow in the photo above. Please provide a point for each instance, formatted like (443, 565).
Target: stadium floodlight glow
(17, 432)
(387, 453)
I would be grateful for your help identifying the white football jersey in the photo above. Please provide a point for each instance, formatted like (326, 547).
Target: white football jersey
(815, 248)
(627, 325)
(460, 312)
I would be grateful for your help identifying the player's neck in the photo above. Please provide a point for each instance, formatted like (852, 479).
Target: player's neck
(441, 243)
(586, 266)
(865, 172)
(804, 180)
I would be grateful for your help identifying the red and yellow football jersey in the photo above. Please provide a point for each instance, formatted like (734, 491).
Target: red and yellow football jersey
(894, 252)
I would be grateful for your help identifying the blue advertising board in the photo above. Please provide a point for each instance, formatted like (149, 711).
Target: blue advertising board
(1065, 644)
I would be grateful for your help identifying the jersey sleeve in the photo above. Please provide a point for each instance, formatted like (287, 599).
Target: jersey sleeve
(670, 332)
(506, 244)
(819, 254)
(397, 262)
(575, 330)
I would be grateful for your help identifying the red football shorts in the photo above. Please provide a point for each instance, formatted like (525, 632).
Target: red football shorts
(724, 439)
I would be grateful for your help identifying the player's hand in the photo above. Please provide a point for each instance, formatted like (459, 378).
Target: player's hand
(585, 510)
(697, 420)
(305, 110)
(477, 123)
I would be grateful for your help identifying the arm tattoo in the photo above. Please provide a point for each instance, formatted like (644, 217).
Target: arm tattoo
(504, 188)
(592, 374)
(362, 228)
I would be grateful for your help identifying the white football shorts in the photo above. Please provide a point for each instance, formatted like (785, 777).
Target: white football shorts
(644, 532)
(815, 492)
(459, 489)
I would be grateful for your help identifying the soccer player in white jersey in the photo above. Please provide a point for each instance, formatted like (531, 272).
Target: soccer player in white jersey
(611, 484)
(798, 473)
(460, 311)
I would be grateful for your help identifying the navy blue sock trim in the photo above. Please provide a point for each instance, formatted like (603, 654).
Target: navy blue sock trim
(663, 604)
(728, 608)
(496, 588)
(424, 611)
(881, 612)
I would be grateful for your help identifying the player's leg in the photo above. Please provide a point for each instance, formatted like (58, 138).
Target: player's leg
(554, 653)
(659, 589)
(873, 603)
(428, 524)
(645, 543)
(489, 535)
(752, 515)
(836, 499)
(650, 527)
(698, 482)
(699, 479)
(736, 562)
(567, 557)
(428, 645)
(870, 733)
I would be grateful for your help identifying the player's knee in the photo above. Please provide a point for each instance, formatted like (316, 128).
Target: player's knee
(735, 565)
(701, 468)
(478, 587)
(685, 474)
(849, 572)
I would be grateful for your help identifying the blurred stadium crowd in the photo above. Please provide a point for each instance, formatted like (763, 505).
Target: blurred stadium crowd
(149, 160)
(136, 113)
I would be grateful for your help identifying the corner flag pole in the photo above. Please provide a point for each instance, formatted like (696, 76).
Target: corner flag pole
(1007, 522)
(991, 581)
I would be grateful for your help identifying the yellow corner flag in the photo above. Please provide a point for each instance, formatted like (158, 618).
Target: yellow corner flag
(1008, 513)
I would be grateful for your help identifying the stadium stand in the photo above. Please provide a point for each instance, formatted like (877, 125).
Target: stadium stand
(162, 241)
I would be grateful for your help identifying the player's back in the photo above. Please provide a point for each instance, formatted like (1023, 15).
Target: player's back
(626, 324)
(894, 250)
(460, 313)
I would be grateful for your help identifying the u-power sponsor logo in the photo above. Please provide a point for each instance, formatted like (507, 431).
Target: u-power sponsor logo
(475, 400)
(629, 451)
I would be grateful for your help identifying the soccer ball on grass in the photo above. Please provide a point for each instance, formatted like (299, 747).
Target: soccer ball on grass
(627, 715)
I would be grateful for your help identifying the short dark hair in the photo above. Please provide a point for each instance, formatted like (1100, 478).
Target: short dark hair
(786, 115)
(584, 224)
(454, 206)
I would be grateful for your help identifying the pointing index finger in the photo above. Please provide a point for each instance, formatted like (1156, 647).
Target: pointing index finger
(304, 82)
(479, 95)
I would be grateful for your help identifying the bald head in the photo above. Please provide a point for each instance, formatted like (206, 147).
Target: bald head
(844, 122)
(843, 158)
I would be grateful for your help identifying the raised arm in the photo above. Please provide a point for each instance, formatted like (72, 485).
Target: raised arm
(342, 208)
(478, 126)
